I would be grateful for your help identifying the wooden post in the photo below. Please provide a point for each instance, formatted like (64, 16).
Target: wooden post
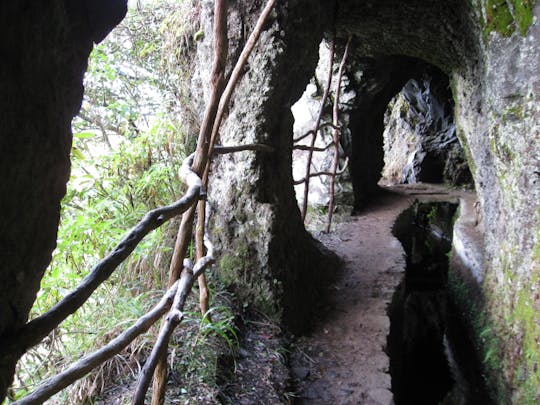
(336, 134)
(316, 130)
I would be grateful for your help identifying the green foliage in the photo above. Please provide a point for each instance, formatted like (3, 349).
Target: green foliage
(523, 14)
(197, 349)
(499, 18)
(524, 318)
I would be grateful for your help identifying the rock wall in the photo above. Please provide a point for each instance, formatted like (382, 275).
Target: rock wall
(498, 115)
(44, 48)
(266, 255)
(489, 49)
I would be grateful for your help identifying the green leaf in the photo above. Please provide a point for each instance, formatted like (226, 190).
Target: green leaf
(77, 154)
(84, 135)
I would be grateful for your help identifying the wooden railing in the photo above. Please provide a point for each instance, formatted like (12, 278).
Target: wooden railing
(311, 148)
(195, 173)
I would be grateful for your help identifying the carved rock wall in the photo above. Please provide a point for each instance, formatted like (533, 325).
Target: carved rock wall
(490, 53)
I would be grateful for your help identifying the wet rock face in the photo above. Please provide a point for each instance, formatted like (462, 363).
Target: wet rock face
(44, 50)
(498, 115)
(420, 135)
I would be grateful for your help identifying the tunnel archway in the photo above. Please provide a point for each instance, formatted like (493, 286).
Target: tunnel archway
(496, 118)
(427, 109)
(382, 102)
(255, 191)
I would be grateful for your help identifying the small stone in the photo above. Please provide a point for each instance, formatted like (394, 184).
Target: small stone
(300, 373)
(243, 353)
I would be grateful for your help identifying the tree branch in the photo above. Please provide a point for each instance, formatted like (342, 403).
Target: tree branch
(316, 130)
(258, 147)
(237, 72)
(311, 132)
(319, 174)
(314, 149)
(34, 331)
(174, 317)
(90, 361)
(335, 117)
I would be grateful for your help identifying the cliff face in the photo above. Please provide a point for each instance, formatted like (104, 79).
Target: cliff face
(490, 54)
(44, 50)
(498, 115)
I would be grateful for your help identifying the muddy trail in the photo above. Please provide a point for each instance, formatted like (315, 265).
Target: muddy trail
(343, 359)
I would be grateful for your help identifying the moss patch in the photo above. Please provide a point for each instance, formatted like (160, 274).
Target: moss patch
(523, 14)
(526, 320)
(498, 18)
(236, 273)
(505, 16)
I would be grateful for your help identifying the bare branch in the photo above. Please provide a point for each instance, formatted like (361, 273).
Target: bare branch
(314, 149)
(200, 229)
(33, 332)
(258, 147)
(311, 132)
(92, 360)
(238, 70)
(319, 174)
(174, 317)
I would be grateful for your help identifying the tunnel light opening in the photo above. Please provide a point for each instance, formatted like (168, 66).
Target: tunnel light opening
(305, 112)
(420, 142)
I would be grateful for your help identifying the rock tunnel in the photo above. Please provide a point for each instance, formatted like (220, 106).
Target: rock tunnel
(492, 69)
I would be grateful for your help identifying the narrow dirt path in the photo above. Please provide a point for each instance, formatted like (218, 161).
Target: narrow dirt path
(342, 361)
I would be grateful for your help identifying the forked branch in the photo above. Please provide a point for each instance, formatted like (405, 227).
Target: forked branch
(189, 275)
(90, 361)
(257, 147)
(36, 330)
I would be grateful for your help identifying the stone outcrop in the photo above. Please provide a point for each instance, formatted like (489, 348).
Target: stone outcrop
(44, 50)
(266, 254)
(420, 135)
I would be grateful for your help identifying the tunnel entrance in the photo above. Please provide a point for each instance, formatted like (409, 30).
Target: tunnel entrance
(396, 126)
(431, 358)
